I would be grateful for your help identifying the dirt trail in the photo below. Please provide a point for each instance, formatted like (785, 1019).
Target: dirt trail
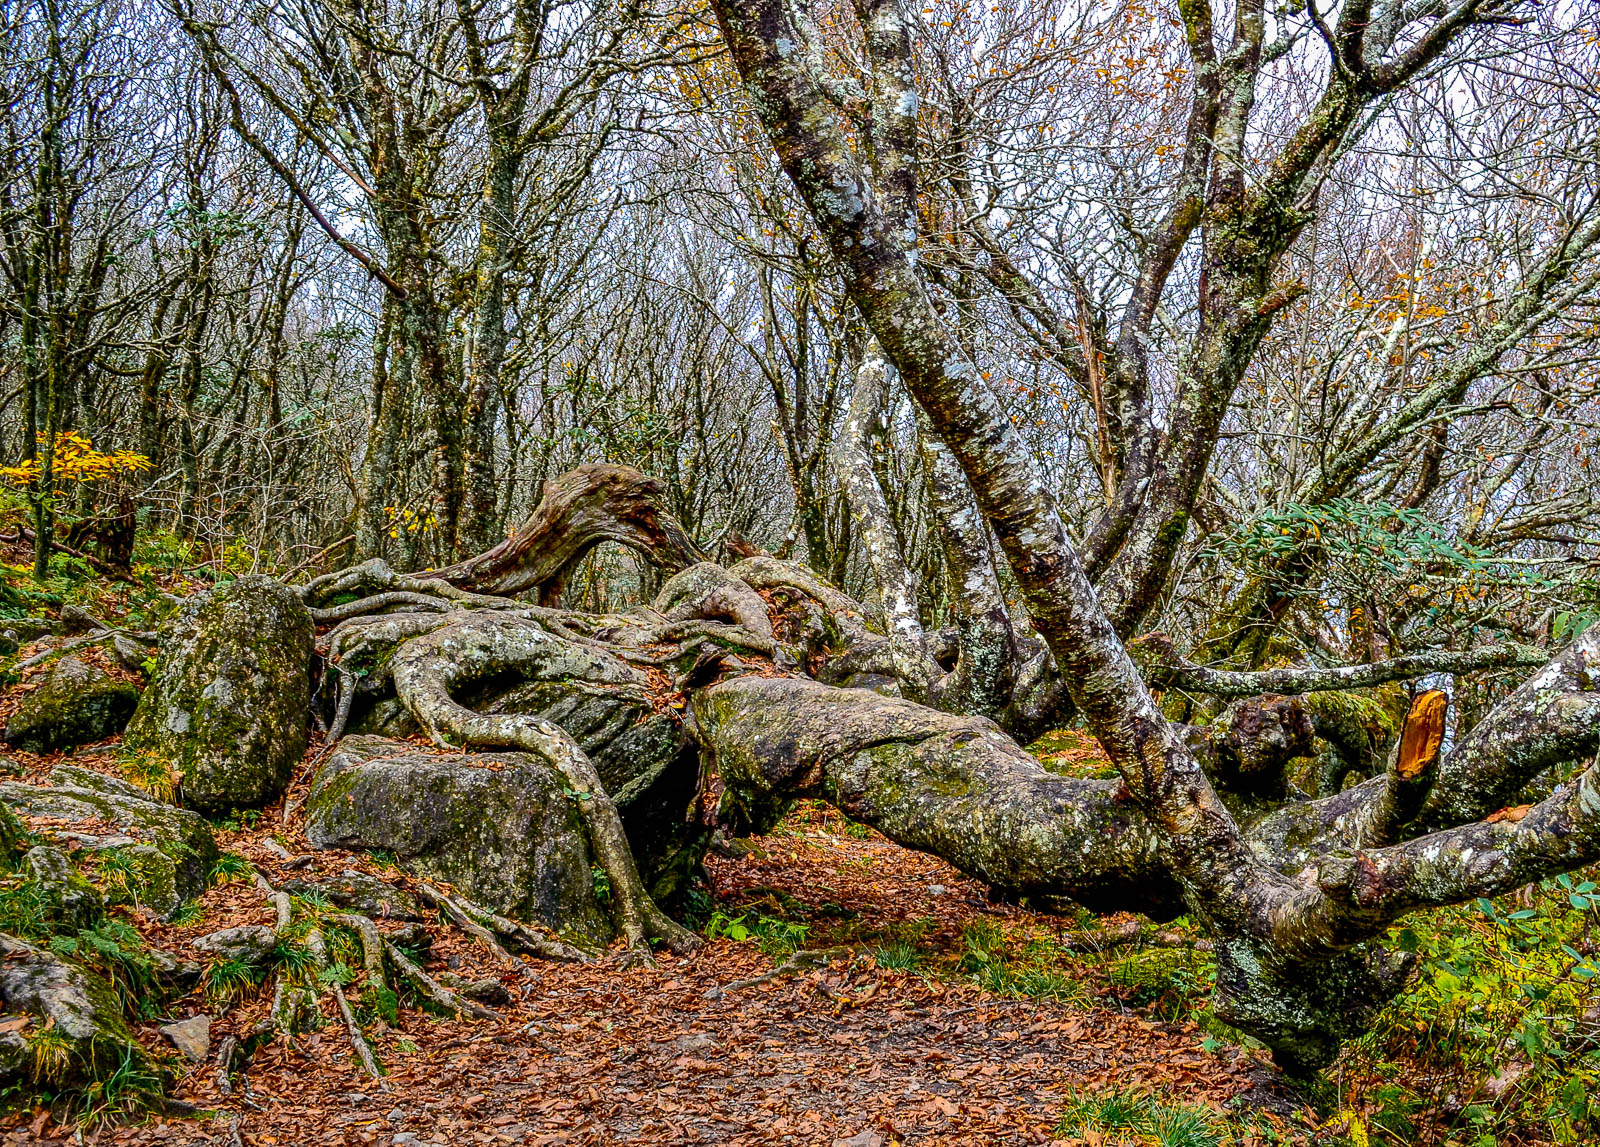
(604, 1054)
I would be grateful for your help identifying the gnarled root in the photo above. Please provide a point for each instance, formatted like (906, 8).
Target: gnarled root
(425, 671)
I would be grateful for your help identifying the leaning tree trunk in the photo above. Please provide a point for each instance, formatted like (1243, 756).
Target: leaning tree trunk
(723, 661)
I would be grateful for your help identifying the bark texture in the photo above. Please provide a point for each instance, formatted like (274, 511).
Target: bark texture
(704, 710)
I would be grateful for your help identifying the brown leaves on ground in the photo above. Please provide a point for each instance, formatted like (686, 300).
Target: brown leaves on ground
(602, 1054)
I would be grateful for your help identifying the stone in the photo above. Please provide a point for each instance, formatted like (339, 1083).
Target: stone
(75, 619)
(867, 1138)
(486, 991)
(413, 937)
(11, 833)
(78, 777)
(228, 705)
(249, 944)
(26, 629)
(498, 826)
(77, 704)
(361, 893)
(177, 975)
(152, 878)
(180, 834)
(130, 654)
(77, 1004)
(191, 1036)
(645, 762)
(71, 901)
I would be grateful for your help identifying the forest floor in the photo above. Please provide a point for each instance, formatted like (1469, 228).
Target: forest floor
(892, 1041)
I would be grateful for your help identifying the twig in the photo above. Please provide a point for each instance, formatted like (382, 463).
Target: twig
(314, 558)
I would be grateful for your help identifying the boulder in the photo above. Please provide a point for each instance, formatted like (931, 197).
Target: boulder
(69, 901)
(77, 704)
(149, 875)
(90, 815)
(228, 704)
(191, 1036)
(78, 777)
(499, 826)
(77, 1005)
(176, 975)
(11, 833)
(646, 763)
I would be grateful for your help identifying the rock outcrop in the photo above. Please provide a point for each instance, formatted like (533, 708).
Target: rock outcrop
(168, 845)
(89, 1037)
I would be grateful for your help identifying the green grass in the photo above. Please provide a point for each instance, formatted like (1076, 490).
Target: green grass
(228, 981)
(230, 867)
(150, 772)
(1116, 1114)
(187, 913)
(899, 957)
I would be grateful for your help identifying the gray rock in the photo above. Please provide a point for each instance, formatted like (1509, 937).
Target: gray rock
(486, 991)
(77, 1004)
(177, 975)
(152, 878)
(645, 764)
(180, 834)
(248, 943)
(78, 777)
(361, 893)
(130, 654)
(77, 705)
(388, 717)
(73, 902)
(191, 1036)
(26, 629)
(227, 708)
(75, 619)
(499, 826)
(413, 936)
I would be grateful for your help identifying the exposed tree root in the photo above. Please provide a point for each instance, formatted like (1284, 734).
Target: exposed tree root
(1201, 819)
(801, 960)
(319, 952)
(426, 669)
(489, 929)
(440, 995)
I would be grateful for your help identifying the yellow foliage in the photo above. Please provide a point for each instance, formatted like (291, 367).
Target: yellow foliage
(75, 460)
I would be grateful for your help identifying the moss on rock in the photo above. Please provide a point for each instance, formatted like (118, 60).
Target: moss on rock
(78, 704)
(499, 826)
(178, 833)
(228, 705)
